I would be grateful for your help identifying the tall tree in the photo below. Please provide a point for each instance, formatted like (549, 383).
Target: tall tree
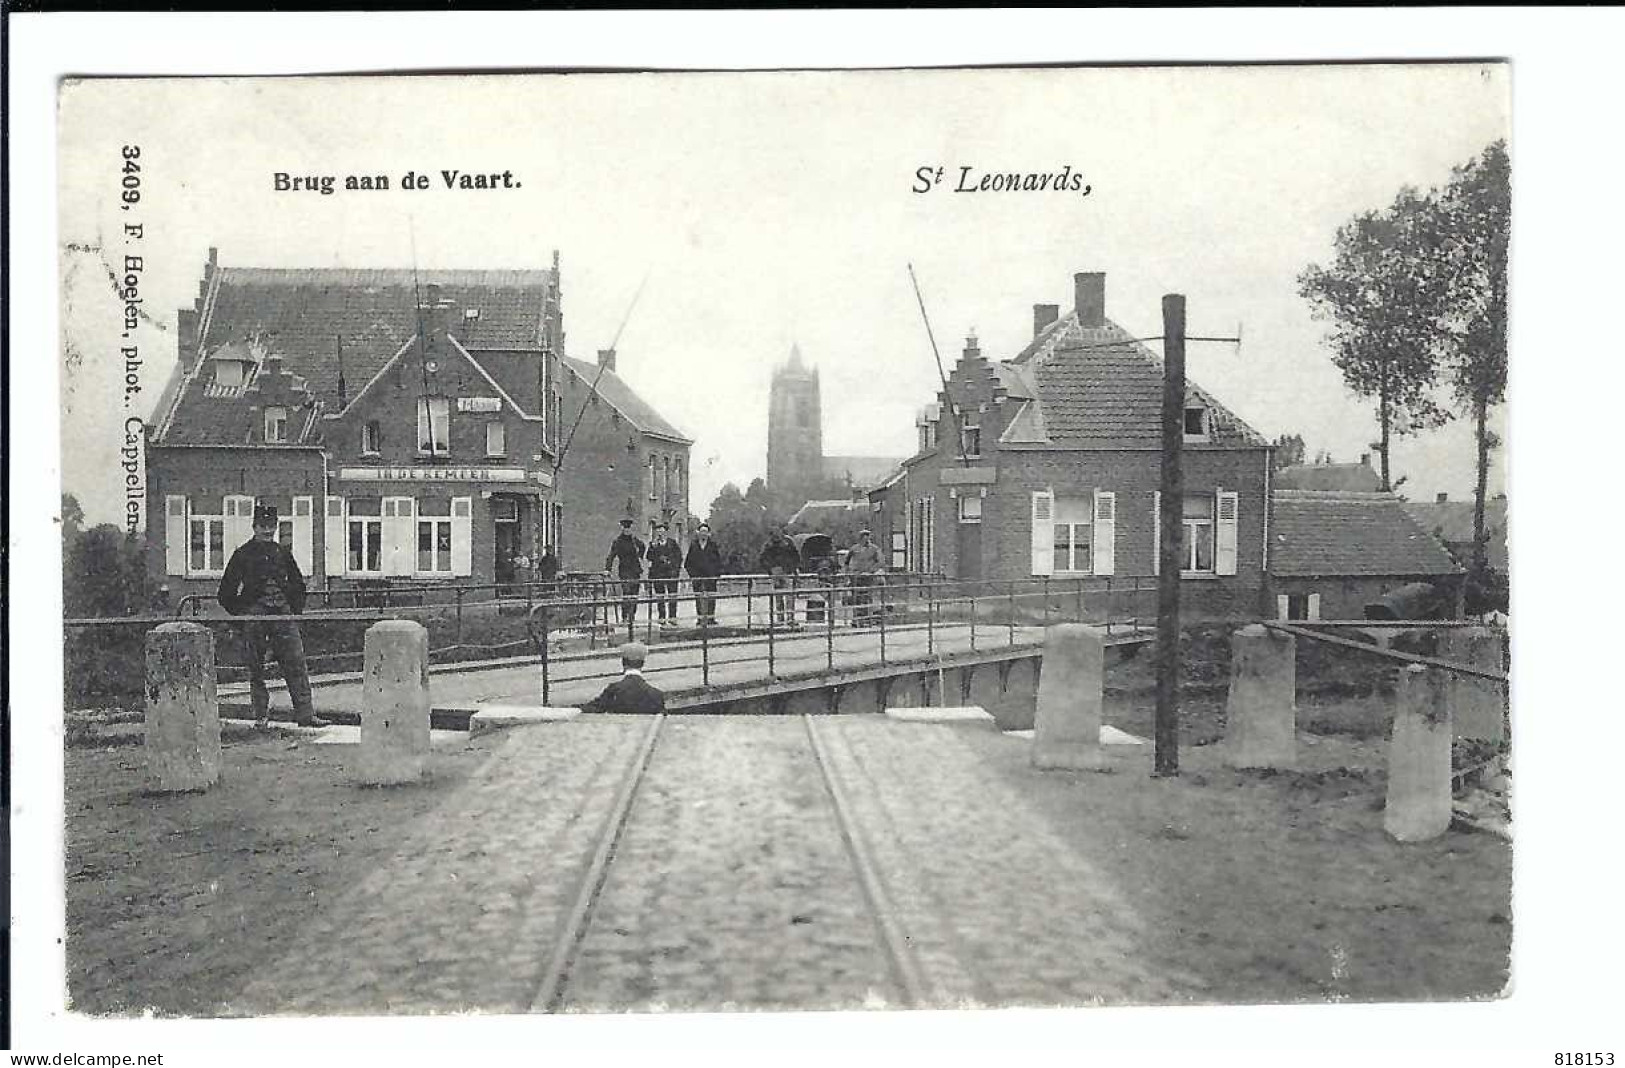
(1472, 223)
(1289, 451)
(1378, 293)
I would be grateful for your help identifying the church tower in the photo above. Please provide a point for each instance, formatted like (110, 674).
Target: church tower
(795, 434)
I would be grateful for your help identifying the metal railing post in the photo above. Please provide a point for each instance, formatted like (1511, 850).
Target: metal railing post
(459, 593)
(829, 623)
(1046, 600)
(771, 668)
(973, 617)
(1012, 611)
(546, 680)
(750, 609)
(1080, 599)
(930, 620)
(882, 626)
(705, 656)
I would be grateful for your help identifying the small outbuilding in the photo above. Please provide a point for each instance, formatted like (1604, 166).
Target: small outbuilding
(1333, 553)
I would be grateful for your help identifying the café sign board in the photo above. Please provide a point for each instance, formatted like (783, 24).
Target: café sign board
(431, 474)
(479, 404)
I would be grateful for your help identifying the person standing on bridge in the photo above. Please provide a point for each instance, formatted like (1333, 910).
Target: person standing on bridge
(625, 560)
(665, 558)
(262, 579)
(630, 693)
(781, 560)
(863, 564)
(704, 564)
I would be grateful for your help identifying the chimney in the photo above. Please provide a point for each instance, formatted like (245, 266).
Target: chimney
(1089, 298)
(972, 347)
(1043, 316)
(1441, 498)
(606, 359)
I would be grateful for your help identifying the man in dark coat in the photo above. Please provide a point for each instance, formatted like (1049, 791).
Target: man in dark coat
(629, 693)
(782, 560)
(703, 564)
(625, 560)
(262, 579)
(547, 565)
(665, 558)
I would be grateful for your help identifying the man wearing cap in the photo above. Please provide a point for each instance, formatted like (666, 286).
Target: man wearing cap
(629, 693)
(863, 563)
(665, 558)
(262, 579)
(782, 560)
(703, 564)
(625, 560)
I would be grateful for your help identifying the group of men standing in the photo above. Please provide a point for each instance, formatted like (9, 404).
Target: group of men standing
(667, 561)
(780, 559)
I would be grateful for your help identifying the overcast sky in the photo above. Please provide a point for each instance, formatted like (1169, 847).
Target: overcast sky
(767, 209)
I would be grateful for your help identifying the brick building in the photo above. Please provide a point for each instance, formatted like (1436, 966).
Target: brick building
(626, 461)
(1332, 552)
(1057, 466)
(404, 423)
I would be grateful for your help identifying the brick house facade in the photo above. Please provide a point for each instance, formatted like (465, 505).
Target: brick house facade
(404, 423)
(1058, 463)
(625, 462)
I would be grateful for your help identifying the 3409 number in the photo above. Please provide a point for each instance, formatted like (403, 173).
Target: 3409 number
(132, 176)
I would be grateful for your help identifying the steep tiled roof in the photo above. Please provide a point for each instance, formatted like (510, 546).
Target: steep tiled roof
(634, 408)
(1099, 387)
(306, 316)
(1357, 478)
(1316, 533)
(1452, 521)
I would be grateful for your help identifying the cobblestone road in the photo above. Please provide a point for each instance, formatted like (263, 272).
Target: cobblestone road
(732, 885)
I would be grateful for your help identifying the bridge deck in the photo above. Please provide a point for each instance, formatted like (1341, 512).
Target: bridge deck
(679, 666)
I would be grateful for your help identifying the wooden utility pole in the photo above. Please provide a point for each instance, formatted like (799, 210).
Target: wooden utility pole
(1171, 522)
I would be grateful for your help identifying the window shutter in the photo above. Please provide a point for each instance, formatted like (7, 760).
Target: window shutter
(1314, 606)
(175, 535)
(1156, 532)
(400, 536)
(1104, 537)
(334, 538)
(1043, 533)
(303, 534)
(1282, 609)
(462, 535)
(239, 526)
(1224, 546)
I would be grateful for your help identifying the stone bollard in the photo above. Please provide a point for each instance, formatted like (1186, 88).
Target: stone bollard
(1418, 806)
(1261, 716)
(183, 711)
(1071, 679)
(1477, 706)
(395, 703)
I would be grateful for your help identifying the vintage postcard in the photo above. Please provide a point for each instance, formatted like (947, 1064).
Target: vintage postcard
(786, 541)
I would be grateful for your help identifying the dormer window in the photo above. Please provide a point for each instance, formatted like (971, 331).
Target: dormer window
(276, 424)
(1195, 423)
(228, 374)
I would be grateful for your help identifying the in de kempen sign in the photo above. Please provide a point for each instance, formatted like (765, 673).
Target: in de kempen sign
(432, 474)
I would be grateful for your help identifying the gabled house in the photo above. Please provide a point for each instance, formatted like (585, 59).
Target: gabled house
(1048, 464)
(626, 461)
(1334, 552)
(404, 423)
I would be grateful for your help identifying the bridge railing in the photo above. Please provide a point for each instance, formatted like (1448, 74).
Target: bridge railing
(800, 623)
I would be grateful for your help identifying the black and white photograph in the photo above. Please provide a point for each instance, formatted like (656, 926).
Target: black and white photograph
(850, 540)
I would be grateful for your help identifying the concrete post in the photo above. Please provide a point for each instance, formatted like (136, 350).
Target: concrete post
(395, 703)
(1071, 680)
(1477, 706)
(1418, 806)
(1261, 716)
(183, 711)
